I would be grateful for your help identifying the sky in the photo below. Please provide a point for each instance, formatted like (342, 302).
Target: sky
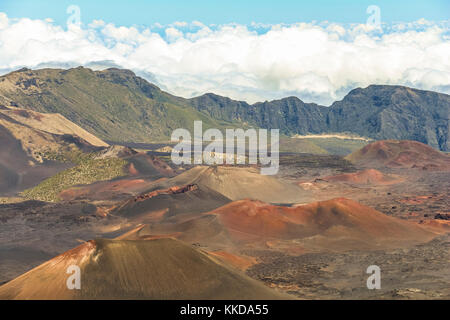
(247, 50)
(145, 12)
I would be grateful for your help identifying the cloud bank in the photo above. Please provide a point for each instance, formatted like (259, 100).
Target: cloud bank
(317, 62)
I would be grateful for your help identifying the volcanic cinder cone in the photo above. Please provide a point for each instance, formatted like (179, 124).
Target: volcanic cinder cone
(367, 177)
(339, 224)
(238, 183)
(334, 225)
(141, 269)
(400, 154)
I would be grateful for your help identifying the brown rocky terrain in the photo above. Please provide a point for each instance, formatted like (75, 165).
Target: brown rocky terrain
(315, 241)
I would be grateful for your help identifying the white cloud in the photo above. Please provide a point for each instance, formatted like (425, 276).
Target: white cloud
(316, 62)
(3, 20)
(180, 24)
(173, 34)
(97, 23)
(197, 24)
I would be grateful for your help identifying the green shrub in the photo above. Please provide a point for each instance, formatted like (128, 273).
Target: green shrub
(87, 170)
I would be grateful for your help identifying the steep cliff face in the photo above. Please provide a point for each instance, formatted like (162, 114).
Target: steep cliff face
(378, 111)
(290, 115)
(394, 112)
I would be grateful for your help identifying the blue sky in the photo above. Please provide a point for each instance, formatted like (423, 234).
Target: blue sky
(140, 12)
(315, 50)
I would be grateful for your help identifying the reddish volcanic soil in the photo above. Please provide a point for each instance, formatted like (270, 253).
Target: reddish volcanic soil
(144, 165)
(143, 232)
(337, 224)
(400, 154)
(105, 190)
(239, 262)
(415, 200)
(171, 190)
(438, 226)
(368, 176)
(51, 277)
(334, 225)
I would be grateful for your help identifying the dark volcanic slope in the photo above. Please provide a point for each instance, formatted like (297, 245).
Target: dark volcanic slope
(419, 272)
(166, 203)
(19, 171)
(394, 112)
(378, 111)
(290, 115)
(149, 269)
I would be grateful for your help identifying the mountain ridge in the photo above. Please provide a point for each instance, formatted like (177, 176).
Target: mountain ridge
(116, 105)
(376, 111)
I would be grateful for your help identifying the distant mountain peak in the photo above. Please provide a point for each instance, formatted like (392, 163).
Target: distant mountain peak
(117, 105)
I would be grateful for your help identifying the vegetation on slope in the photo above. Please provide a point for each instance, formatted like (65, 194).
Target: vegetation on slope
(114, 104)
(337, 146)
(117, 105)
(87, 170)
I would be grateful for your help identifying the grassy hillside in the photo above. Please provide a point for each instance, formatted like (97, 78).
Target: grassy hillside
(337, 146)
(112, 104)
(300, 146)
(87, 170)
